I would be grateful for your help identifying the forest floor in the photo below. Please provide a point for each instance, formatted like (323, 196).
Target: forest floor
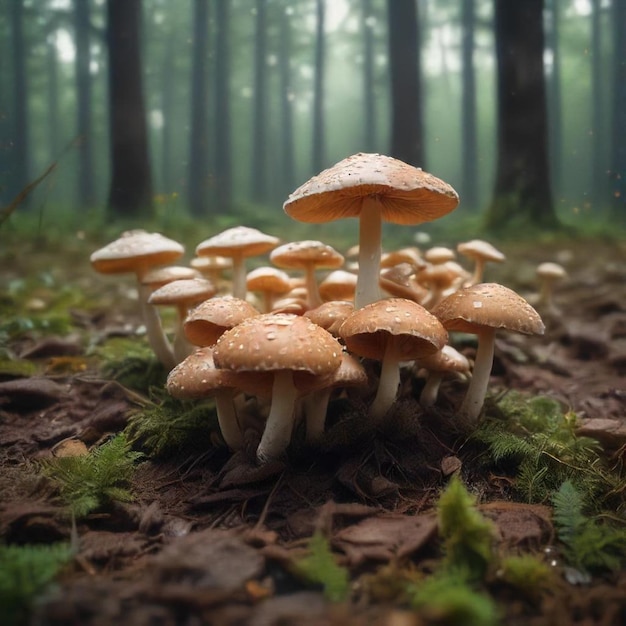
(212, 538)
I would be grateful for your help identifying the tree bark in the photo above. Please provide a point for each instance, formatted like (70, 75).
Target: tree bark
(288, 174)
(259, 121)
(555, 107)
(522, 195)
(130, 191)
(318, 88)
(407, 143)
(198, 193)
(469, 151)
(618, 150)
(86, 176)
(369, 102)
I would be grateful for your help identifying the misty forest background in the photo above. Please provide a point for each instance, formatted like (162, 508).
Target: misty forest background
(162, 110)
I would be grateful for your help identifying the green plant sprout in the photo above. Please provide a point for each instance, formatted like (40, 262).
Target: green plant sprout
(590, 545)
(25, 572)
(320, 567)
(89, 482)
(164, 425)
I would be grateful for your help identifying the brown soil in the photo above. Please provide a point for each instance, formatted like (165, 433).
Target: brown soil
(209, 538)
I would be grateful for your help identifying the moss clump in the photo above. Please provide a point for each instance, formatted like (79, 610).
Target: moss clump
(89, 482)
(25, 572)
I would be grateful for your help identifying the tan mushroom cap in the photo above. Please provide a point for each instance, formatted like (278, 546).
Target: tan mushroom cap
(303, 254)
(416, 331)
(408, 195)
(338, 285)
(191, 290)
(448, 359)
(551, 270)
(477, 248)
(439, 254)
(330, 315)
(160, 276)
(488, 305)
(269, 279)
(207, 322)
(273, 342)
(240, 240)
(135, 251)
(399, 281)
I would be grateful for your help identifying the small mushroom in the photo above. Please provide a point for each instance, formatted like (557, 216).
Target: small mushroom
(270, 282)
(481, 252)
(483, 309)
(447, 360)
(548, 274)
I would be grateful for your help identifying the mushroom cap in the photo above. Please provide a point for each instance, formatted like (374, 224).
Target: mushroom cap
(338, 285)
(240, 240)
(331, 315)
(488, 305)
(276, 341)
(479, 249)
(398, 281)
(209, 263)
(135, 250)
(407, 194)
(269, 279)
(416, 331)
(448, 359)
(410, 255)
(551, 270)
(188, 290)
(303, 254)
(207, 322)
(437, 276)
(160, 276)
(439, 254)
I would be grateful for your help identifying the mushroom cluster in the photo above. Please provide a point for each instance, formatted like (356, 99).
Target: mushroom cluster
(282, 336)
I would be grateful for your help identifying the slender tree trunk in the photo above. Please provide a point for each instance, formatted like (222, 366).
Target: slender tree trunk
(598, 110)
(318, 88)
(167, 111)
(522, 195)
(555, 108)
(52, 72)
(618, 151)
(288, 174)
(369, 102)
(198, 139)
(20, 136)
(407, 141)
(469, 152)
(130, 192)
(259, 122)
(223, 166)
(86, 176)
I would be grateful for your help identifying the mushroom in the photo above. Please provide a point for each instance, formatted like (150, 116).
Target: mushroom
(308, 256)
(374, 188)
(392, 330)
(331, 315)
(283, 345)
(208, 321)
(338, 285)
(237, 244)
(438, 364)
(482, 309)
(548, 274)
(183, 294)
(270, 282)
(399, 281)
(137, 251)
(481, 252)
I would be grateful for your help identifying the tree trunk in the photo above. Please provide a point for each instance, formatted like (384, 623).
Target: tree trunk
(259, 121)
(223, 166)
(52, 98)
(369, 102)
(618, 152)
(86, 177)
(598, 111)
(318, 89)
(130, 192)
(198, 140)
(288, 174)
(522, 195)
(469, 150)
(167, 110)
(555, 109)
(404, 66)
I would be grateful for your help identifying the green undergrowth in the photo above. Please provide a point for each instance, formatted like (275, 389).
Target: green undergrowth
(165, 426)
(25, 572)
(534, 441)
(89, 482)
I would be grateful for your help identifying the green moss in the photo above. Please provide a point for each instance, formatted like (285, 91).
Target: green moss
(527, 574)
(89, 482)
(25, 572)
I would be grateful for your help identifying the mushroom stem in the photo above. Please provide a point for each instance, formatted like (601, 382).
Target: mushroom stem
(182, 347)
(239, 277)
(227, 418)
(388, 383)
(475, 395)
(479, 268)
(277, 433)
(370, 233)
(154, 330)
(430, 391)
(313, 293)
(315, 407)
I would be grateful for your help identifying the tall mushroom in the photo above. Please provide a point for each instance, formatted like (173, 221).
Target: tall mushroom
(483, 309)
(374, 188)
(481, 252)
(237, 244)
(391, 330)
(283, 345)
(137, 251)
